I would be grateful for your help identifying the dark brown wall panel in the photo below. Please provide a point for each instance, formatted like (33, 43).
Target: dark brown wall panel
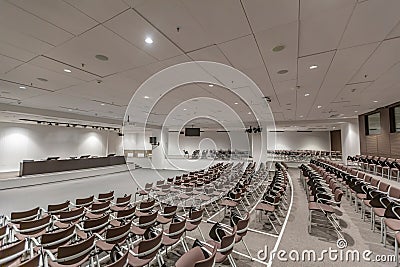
(395, 145)
(336, 140)
(383, 145)
(363, 143)
(372, 145)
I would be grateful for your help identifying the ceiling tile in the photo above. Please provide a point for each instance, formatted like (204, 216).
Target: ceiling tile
(7, 63)
(371, 21)
(211, 53)
(82, 50)
(15, 19)
(266, 14)
(135, 29)
(100, 10)
(58, 13)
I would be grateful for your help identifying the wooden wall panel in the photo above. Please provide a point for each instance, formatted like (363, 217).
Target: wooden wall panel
(336, 140)
(372, 144)
(395, 145)
(383, 145)
(363, 143)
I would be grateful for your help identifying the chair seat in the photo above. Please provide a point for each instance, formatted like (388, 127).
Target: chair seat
(219, 258)
(169, 241)
(367, 202)
(379, 211)
(136, 262)
(163, 220)
(393, 224)
(137, 230)
(265, 207)
(117, 208)
(361, 196)
(190, 226)
(228, 203)
(104, 246)
(190, 258)
(320, 207)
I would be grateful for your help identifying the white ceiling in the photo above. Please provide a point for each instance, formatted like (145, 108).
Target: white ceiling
(355, 44)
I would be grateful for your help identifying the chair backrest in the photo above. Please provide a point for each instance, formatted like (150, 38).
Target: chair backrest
(34, 226)
(55, 209)
(209, 262)
(12, 252)
(148, 248)
(227, 243)
(146, 205)
(360, 175)
(56, 239)
(106, 196)
(148, 186)
(116, 235)
(394, 192)
(33, 262)
(176, 229)
(338, 195)
(72, 254)
(169, 211)
(195, 216)
(100, 207)
(122, 262)
(123, 201)
(72, 215)
(374, 182)
(147, 220)
(18, 216)
(367, 178)
(96, 225)
(84, 202)
(242, 225)
(126, 214)
(384, 187)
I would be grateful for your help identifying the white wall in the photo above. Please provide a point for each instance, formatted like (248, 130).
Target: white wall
(301, 141)
(350, 139)
(137, 141)
(26, 141)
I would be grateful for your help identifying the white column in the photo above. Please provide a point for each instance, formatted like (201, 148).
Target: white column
(160, 152)
(350, 139)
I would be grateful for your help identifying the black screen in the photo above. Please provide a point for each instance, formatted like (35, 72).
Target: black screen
(192, 131)
(153, 140)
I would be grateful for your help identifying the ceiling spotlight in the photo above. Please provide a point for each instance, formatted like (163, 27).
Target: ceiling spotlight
(148, 40)
(334, 127)
(102, 104)
(42, 79)
(211, 85)
(375, 101)
(283, 71)
(319, 107)
(355, 111)
(22, 87)
(307, 94)
(146, 97)
(101, 57)
(278, 48)
(236, 103)
(313, 67)
(249, 113)
(184, 109)
(301, 116)
(69, 109)
(67, 70)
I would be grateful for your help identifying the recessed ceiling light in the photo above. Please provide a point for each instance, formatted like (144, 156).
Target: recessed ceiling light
(67, 70)
(147, 97)
(22, 87)
(356, 111)
(301, 116)
(184, 109)
(148, 40)
(282, 71)
(306, 94)
(313, 67)
(249, 113)
(278, 48)
(42, 79)
(333, 127)
(102, 104)
(319, 107)
(236, 103)
(375, 101)
(69, 109)
(211, 85)
(101, 57)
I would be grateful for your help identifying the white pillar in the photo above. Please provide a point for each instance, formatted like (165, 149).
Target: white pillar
(160, 152)
(350, 139)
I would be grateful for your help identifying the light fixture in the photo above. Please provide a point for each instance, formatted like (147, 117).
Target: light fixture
(355, 111)
(375, 101)
(101, 57)
(102, 104)
(146, 97)
(148, 40)
(313, 67)
(283, 71)
(301, 116)
(278, 48)
(67, 70)
(184, 109)
(42, 79)
(334, 127)
(249, 113)
(319, 107)
(236, 103)
(211, 85)
(22, 87)
(69, 109)
(306, 94)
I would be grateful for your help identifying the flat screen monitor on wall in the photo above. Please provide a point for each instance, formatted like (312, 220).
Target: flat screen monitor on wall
(153, 140)
(192, 131)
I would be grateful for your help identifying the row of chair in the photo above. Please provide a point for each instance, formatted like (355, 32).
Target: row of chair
(373, 196)
(382, 166)
(304, 155)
